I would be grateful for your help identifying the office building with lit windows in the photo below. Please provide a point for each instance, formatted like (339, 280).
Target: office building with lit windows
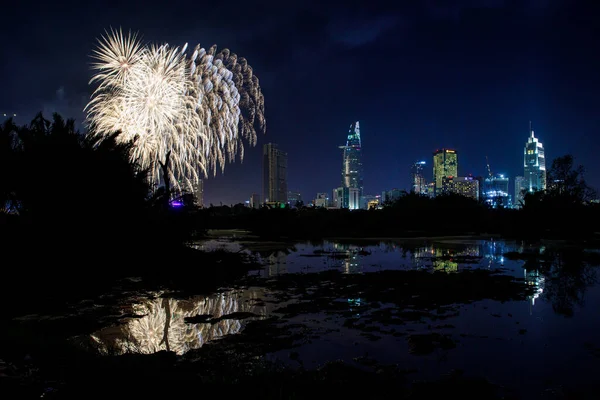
(417, 178)
(463, 185)
(534, 164)
(352, 169)
(445, 165)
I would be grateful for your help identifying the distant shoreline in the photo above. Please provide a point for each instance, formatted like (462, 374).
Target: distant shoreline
(420, 238)
(247, 235)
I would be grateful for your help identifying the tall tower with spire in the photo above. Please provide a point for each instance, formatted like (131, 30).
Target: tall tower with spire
(534, 163)
(352, 169)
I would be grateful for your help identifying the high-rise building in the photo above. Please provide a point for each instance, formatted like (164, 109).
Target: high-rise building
(294, 198)
(445, 165)
(199, 193)
(274, 174)
(463, 185)
(496, 192)
(354, 196)
(520, 186)
(417, 178)
(337, 197)
(534, 164)
(352, 168)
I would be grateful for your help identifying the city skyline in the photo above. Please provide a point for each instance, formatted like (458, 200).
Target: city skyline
(432, 82)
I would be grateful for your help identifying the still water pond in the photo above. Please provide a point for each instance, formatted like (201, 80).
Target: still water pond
(528, 322)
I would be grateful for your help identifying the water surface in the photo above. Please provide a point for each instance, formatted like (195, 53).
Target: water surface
(543, 342)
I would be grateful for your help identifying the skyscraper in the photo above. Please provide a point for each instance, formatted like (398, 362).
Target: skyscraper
(274, 174)
(352, 171)
(417, 178)
(534, 164)
(445, 165)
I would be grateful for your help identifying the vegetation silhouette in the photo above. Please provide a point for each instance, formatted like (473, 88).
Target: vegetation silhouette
(562, 211)
(78, 213)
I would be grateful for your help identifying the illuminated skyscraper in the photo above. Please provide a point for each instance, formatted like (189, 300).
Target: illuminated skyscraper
(274, 174)
(352, 168)
(445, 165)
(534, 164)
(417, 178)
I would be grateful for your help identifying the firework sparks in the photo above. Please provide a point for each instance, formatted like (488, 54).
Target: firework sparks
(200, 108)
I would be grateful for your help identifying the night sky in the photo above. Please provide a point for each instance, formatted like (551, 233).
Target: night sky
(420, 75)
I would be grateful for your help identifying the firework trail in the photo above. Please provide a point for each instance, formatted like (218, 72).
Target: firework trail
(201, 108)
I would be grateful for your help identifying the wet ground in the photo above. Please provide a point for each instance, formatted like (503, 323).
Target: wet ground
(523, 317)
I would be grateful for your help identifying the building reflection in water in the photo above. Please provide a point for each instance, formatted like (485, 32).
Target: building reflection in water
(351, 264)
(536, 280)
(442, 258)
(494, 252)
(160, 323)
(445, 265)
(350, 261)
(355, 305)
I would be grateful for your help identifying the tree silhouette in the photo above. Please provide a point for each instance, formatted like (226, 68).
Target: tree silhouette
(566, 182)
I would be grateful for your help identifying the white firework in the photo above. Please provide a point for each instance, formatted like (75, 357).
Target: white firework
(199, 109)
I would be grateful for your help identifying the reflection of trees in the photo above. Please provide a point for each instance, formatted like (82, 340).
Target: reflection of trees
(273, 254)
(161, 324)
(565, 275)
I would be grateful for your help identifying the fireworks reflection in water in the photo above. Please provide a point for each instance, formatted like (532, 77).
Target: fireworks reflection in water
(160, 323)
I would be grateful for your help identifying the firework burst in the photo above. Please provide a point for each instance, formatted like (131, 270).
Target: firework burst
(200, 109)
